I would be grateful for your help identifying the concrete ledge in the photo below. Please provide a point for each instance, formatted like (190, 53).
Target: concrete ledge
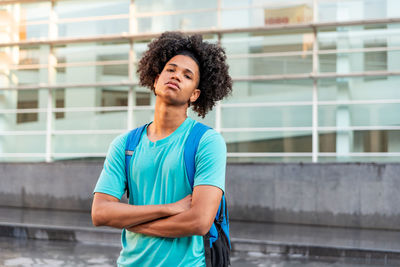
(362, 195)
(111, 237)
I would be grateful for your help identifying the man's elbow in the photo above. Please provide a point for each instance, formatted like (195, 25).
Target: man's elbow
(97, 217)
(202, 226)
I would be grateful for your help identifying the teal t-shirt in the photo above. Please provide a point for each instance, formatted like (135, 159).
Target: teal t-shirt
(158, 176)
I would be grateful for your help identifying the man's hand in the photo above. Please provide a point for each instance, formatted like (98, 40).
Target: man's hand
(181, 205)
(196, 220)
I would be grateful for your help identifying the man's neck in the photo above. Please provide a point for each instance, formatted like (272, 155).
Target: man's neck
(166, 120)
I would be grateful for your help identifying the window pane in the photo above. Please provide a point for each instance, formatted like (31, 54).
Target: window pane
(269, 142)
(339, 10)
(141, 117)
(22, 99)
(91, 120)
(185, 21)
(23, 144)
(88, 143)
(359, 115)
(20, 16)
(92, 52)
(260, 13)
(368, 141)
(34, 31)
(353, 37)
(359, 62)
(23, 121)
(92, 73)
(28, 76)
(270, 91)
(257, 54)
(208, 120)
(31, 55)
(90, 28)
(359, 88)
(90, 8)
(287, 116)
(95, 97)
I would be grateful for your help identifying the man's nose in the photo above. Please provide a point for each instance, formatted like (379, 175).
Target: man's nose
(176, 76)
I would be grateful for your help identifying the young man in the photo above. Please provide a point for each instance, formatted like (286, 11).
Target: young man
(164, 221)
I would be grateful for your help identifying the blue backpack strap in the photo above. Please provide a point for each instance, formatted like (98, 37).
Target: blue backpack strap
(131, 143)
(191, 145)
(190, 151)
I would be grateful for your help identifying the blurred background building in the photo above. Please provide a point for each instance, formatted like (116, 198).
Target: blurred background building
(314, 80)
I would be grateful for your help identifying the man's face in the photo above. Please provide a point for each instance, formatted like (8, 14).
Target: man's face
(177, 83)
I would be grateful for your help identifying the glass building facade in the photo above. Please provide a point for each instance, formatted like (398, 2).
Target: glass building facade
(314, 80)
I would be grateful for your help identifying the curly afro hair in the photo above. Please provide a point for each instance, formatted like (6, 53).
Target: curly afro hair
(215, 82)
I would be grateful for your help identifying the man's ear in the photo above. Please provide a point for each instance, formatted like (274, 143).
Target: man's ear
(195, 95)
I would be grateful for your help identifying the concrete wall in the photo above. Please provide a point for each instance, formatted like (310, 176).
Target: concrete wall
(338, 194)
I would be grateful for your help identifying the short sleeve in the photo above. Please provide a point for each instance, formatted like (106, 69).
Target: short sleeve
(211, 160)
(112, 177)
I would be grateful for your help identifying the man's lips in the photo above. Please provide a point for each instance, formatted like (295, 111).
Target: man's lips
(173, 85)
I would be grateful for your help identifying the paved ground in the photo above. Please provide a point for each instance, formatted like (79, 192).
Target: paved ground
(27, 238)
(32, 253)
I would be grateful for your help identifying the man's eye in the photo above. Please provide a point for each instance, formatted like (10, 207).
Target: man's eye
(170, 70)
(187, 76)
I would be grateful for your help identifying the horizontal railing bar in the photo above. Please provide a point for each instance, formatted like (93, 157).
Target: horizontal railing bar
(9, 2)
(22, 155)
(238, 78)
(308, 103)
(96, 63)
(77, 109)
(22, 133)
(321, 52)
(261, 154)
(28, 67)
(301, 129)
(266, 129)
(315, 76)
(223, 130)
(273, 104)
(23, 111)
(359, 50)
(226, 105)
(62, 132)
(70, 85)
(229, 154)
(272, 54)
(148, 36)
(357, 128)
(85, 155)
(83, 132)
(71, 64)
(361, 154)
(301, 154)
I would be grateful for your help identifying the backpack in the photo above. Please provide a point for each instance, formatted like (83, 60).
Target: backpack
(217, 243)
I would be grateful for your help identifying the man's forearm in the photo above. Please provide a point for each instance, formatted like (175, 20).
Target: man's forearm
(187, 223)
(107, 211)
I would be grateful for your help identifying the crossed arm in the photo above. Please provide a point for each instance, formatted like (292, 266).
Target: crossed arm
(192, 215)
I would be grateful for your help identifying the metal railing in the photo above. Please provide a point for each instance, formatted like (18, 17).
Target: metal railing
(133, 36)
